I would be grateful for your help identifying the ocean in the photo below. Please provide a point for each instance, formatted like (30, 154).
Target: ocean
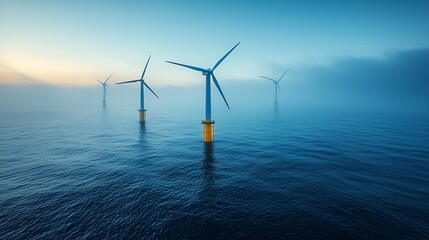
(271, 173)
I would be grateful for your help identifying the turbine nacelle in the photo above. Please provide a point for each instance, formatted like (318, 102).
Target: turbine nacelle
(206, 72)
(105, 82)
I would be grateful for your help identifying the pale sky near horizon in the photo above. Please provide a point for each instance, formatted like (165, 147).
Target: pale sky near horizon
(76, 42)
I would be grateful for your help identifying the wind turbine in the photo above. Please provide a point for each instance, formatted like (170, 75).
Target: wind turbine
(208, 123)
(276, 83)
(142, 110)
(104, 87)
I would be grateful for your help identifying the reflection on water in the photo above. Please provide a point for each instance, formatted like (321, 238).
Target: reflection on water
(209, 171)
(142, 126)
(142, 131)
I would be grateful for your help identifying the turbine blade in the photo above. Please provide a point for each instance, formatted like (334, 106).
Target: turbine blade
(283, 75)
(108, 78)
(105, 91)
(100, 82)
(131, 81)
(268, 78)
(278, 86)
(144, 71)
(188, 66)
(150, 90)
(220, 90)
(223, 58)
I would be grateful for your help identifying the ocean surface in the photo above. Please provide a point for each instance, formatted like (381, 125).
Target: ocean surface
(96, 173)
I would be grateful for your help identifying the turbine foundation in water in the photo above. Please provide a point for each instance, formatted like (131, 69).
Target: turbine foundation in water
(208, 130)
(142, 115)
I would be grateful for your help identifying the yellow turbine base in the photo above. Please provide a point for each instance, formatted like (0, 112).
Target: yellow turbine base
(142, 115)
(208, 131)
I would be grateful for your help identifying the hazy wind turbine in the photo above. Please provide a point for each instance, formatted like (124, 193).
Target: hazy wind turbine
(208, 123)
(104, 87)
(142, 110)
(276, 83)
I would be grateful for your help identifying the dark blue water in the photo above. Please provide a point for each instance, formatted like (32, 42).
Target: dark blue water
(89, 173)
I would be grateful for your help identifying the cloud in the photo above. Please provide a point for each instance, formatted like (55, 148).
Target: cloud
(399, 79)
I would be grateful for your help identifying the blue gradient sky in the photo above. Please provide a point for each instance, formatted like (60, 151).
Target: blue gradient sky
(75, 42)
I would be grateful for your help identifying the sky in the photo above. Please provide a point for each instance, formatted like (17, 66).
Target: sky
(76, 42)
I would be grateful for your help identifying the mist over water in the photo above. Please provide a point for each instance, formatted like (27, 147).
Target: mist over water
(329, 161)
(396, 82)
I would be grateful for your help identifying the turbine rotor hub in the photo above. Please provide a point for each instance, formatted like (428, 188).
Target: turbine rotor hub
(207, 72)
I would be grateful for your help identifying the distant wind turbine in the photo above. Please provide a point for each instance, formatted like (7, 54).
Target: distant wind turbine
(276, 83)
(142, 110)
(104, 87)
(208, 123)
